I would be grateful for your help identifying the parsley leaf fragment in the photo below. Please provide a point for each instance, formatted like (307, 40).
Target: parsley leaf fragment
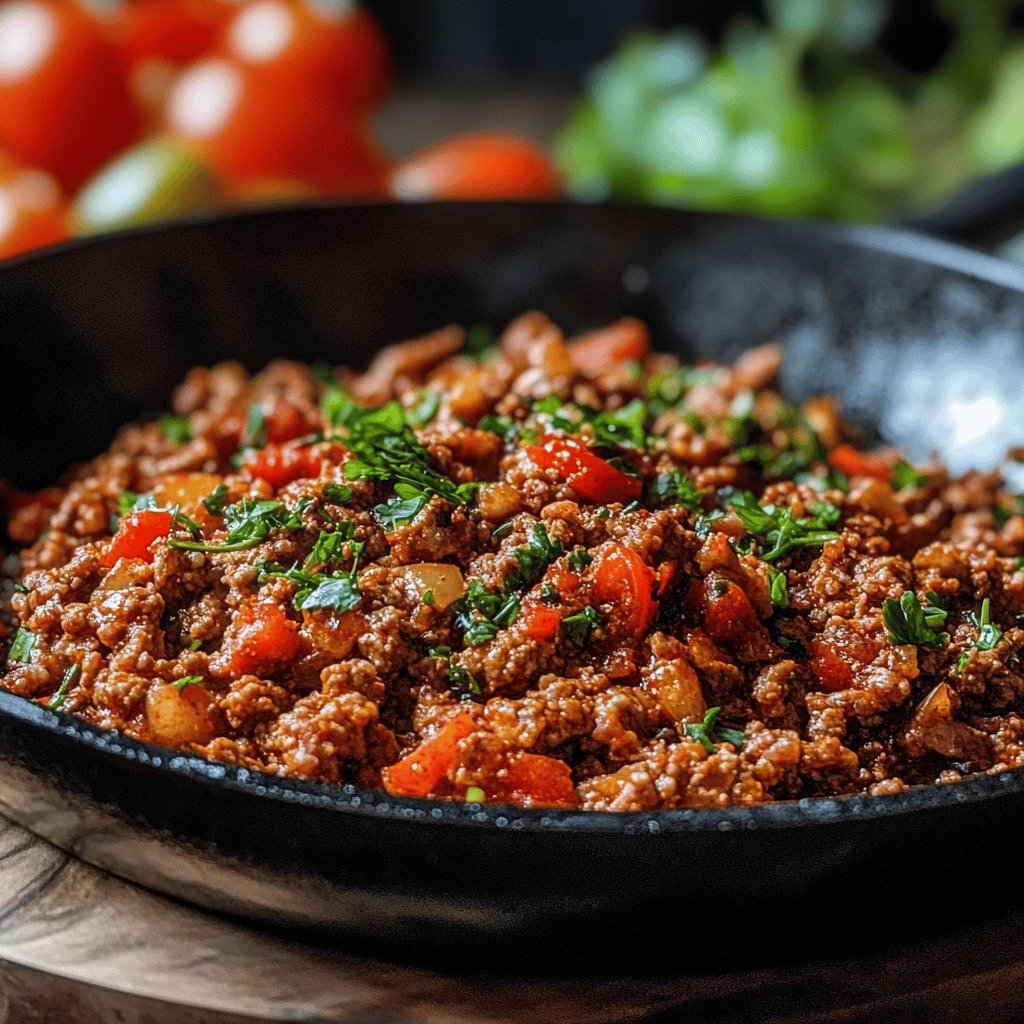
(904, 475)
(989, 634)
(675, 486)
(56, 702)
(910, 622)
(578, 627)
(778, 589)
(175, 428)
(180, 684)
(779, 530)
(249, 522)
(708, 733)
(21, 648)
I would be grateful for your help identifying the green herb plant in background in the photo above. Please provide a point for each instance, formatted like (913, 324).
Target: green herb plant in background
(802, 115)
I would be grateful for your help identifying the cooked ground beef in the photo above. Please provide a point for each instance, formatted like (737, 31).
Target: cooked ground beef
(550, 571)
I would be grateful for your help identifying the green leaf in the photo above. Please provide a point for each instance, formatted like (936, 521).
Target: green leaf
(21, 648)
(396, 512)
(779, 531)
(504, 426)
(623, 426)
(180, 684)
(904, 475)
(255, 433)
(339, 593)
(56, 702)
(425, 408)
(676, 487)
(175, 428)
(249, 523)
(533, 559)
(910, 622)
(708, 733)
(778, 590)
(340, 493)
(578, 627)
(214, 503)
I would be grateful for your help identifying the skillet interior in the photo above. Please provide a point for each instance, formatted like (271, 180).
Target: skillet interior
(923, 342)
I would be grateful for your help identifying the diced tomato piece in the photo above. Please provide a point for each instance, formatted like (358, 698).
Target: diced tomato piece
(729, 616)
(623, 340)
(484, 165)
(420, 772)
(540, 623)
(281, 464)
(833, 672)
(839, 653)
(623, 577)
(538, 780)
(283, 422)
(856, 463)
(564, 580)
(265, 639)
(666, 575)
(587, 474)
(135, 533)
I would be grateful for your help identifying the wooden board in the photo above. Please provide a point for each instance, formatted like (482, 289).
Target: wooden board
(78, 946)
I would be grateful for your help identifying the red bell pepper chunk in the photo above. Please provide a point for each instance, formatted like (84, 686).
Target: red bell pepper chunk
(729, 615)
(856, 463)
(589, 476)
(538, 780)
(540, 623)
(623, 577)
(266, 638)
(420, 772)
(136, 533)
(283, 422)
(280, 464)
(617, 343)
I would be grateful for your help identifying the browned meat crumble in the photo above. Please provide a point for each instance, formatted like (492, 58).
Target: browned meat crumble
(552, 572)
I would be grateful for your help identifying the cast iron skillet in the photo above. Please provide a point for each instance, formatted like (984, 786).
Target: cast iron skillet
(923, 341)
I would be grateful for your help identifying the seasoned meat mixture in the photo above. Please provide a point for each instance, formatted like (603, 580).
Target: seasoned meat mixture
(535, 570)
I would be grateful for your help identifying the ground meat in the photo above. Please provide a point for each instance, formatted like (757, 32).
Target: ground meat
(564, 572)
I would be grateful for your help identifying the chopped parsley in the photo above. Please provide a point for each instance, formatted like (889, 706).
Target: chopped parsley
(503, 530)
(249, 523)
(617, 427)
(427, 598)
(194, 643)
(175, 428)
(425, 408)
(911, 622)
(779, 531)
(339, 590)
(475, 795)
(463, 682)
(56, 702)
(21, 649)
(778, 589)
(533, 558)
(989, 634)
(904, 475)
(129, 502)
(481, 615)
(550, 596)
(504, 426)
(578, 627)
(708, 733)
(337, 492)
(254, 435)
(180, 684)
(386, 449)
(214, 503)
(675, 486)
(579, 559)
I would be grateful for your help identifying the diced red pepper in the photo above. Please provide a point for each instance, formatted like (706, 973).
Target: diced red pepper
(618, 342)
(838, 654)
(856, 463)
(540, 623)
(266, 638)
(623, 577)
(729, 615)
(280, 464)
(587, 474)
(420, 772)
(833, 671)
(283, 422)
(136, 533)
(538, 780)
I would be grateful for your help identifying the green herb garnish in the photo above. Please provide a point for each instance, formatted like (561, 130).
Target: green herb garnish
(175, 428)
(425, 408)
(989, 634)
(578, 627)
(214, 503)
(709, 733)
(249, 523)
(56, 702)
(337, 492)
(339, 590)
(255, 433)
(504, 426)
(579, 559)
(904, 475)
(480, 614)
(778, 590)
(502, 531)
(463, 682)
(475, 795)
(533, 558)
(676, 487)
(910, 622)
(21, 648)
(428, 598)
(777, 528)
(180, 684)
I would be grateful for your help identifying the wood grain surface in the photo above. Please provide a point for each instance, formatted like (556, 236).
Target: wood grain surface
(78, 946)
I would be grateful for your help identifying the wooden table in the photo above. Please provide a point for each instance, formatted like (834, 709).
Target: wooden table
(78, 946)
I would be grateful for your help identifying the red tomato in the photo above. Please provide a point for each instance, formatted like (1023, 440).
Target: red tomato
(249, 128)
(838, 654)
(481, 166)
(856, 463)
(539, 781)
(135, 533)
(65, 104)
(32, 210)
(420, 772)
(729, 615)
(540, 623)
(624, 579)
(280, 464)
(159, 37)
(306, 48)
(266, 638)
(623, 340)
(587, 474)
(283, 421)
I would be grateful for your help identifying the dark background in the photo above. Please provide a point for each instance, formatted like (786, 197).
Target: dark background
(488, 42)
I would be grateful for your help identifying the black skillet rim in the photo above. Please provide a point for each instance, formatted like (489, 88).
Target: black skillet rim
(352, 800)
